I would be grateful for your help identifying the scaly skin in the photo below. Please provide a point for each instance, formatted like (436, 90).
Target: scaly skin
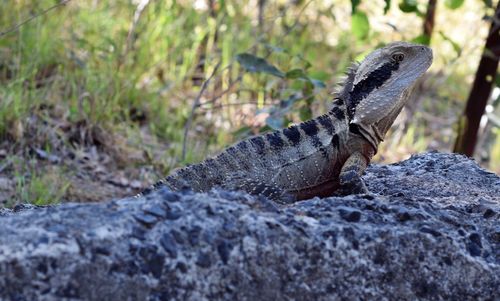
(326, 154)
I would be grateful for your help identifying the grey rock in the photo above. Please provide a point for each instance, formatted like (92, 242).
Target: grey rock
(430, 231)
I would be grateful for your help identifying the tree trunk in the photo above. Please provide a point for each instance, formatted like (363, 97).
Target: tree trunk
(481, 90)
(429, 20)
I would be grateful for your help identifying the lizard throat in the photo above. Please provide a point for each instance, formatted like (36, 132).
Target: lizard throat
(370, 134)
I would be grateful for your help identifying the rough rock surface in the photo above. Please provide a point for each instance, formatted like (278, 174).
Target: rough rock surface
(431, 230)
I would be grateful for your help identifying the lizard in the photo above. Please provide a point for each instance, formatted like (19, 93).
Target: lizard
(324, 155)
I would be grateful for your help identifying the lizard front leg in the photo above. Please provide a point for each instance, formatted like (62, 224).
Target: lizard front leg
(350, 174)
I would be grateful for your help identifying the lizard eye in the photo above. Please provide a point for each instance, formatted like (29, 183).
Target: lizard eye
(398, 57)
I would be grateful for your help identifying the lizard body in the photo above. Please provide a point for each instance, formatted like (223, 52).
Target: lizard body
(325, 154)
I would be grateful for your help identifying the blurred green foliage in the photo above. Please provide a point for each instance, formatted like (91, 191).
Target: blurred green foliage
(104, 63)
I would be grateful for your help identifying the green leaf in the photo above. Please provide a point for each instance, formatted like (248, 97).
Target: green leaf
(276, 48)
(453, 4)
(296, 73)
(253, 63)
(408, 6)
(244, 131)
(454, 44)
(297, 85)
(497, 80)
(311, 83)
(306, 63)
(422, 39)
(305, 113)
(354, 4)
(318, 83)
(488, 3)
(488, 53)
(320, 75)
(360, 25)
(287, 103)
(308, 88)
(387, 6)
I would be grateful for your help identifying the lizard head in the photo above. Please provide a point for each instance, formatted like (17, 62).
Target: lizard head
(377, 89)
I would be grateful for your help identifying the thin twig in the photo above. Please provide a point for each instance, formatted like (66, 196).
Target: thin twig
(219, 106)
(17, 26)
(227, 90)
(196, 103)
(131, 32)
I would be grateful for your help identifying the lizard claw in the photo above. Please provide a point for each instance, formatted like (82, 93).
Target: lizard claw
(351, 183)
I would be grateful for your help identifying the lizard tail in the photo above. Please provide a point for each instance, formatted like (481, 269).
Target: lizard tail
(175, 182)
(199, 177)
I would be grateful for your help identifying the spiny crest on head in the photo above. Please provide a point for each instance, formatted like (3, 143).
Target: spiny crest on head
(346, 83)
(365, 76)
